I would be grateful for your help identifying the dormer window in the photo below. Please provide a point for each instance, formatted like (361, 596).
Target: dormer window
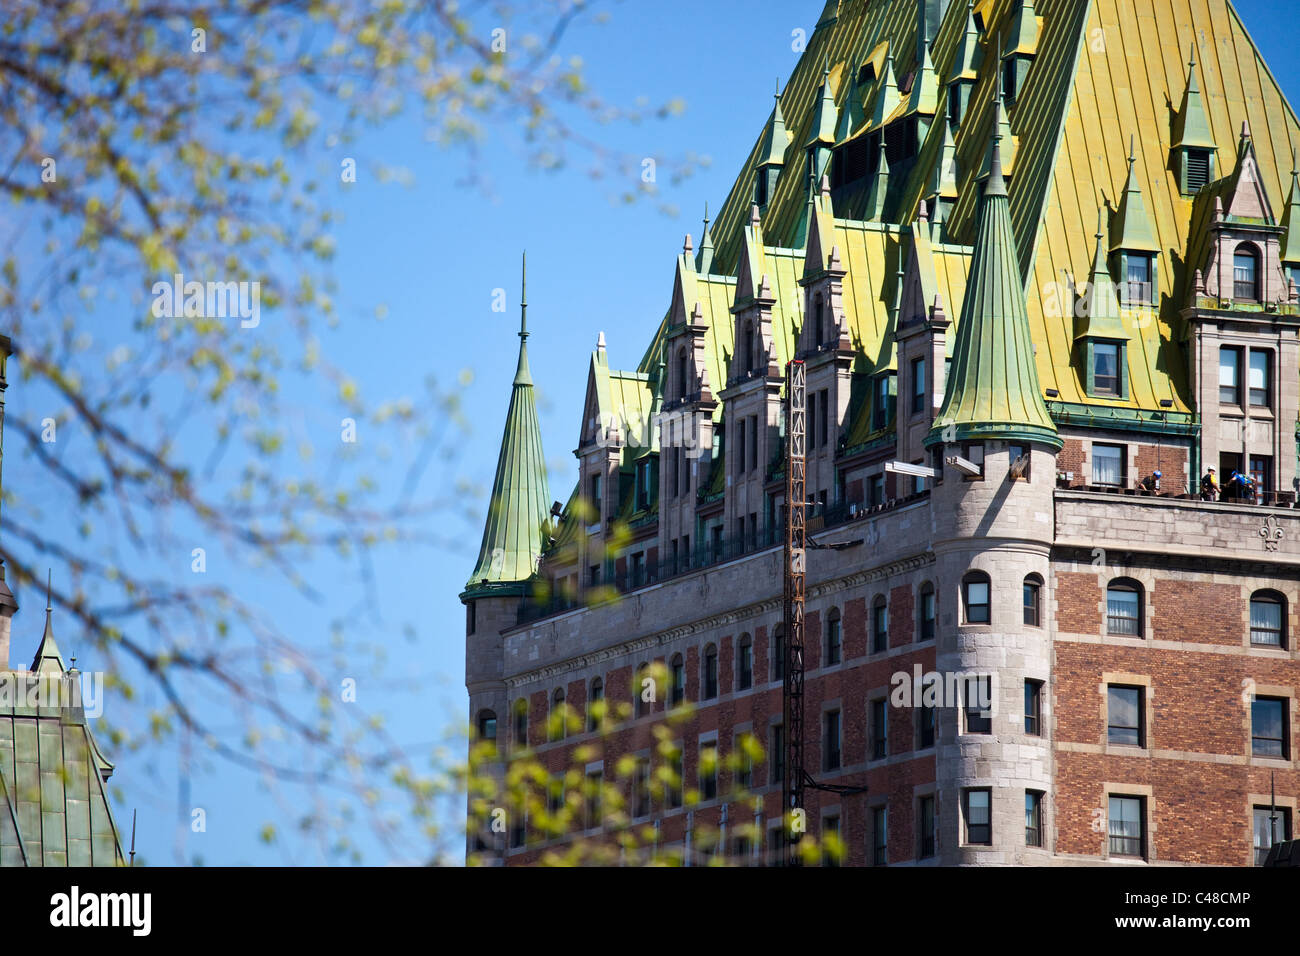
(681, 373)
(884, 393)
(1105, 369)
(1139, 285)
(1196, 170)
(819, 322)
(760, 188)
(1245, 273)
(1010, 74)
(750, 348)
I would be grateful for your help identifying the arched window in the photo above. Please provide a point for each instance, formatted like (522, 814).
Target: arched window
(834, 637)
(558, 722)
(487, 725)
(927, 615)
(1033, 600)
(682, 389)
(596, 704)
(879, 626)
(521, 723)
(643, 689)
(1268, 619)
(1124, 608)
(975, 598)
(678, 680)
(745, 663)
(710, 674)
(1245, 272)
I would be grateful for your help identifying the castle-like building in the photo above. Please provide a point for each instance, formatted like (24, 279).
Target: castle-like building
(1040, 261)
(54, 806)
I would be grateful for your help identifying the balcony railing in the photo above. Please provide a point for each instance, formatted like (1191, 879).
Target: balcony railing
(708, 554)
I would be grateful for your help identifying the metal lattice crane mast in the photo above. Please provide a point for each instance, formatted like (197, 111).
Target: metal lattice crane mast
(796, 550)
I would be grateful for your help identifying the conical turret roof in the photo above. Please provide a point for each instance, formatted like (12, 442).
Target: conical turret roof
(1191, 127)
(993, 389)
(517, 519)
(1132, 227)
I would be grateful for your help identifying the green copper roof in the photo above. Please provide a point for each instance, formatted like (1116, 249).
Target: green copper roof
(1132, 227)
(54, 808)
(1191, 127)
(1102, 319)
(943, 181)
(704, 258)
(887, 98)
(1291, 218)
(518, 510)
(822, 130)
(852, 117)
(1023, 35)
(924, 98)
(775, 138)
(966, 60)
(993, 388)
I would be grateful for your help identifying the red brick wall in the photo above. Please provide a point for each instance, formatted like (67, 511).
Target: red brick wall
(1199, 612)
(1078, 602)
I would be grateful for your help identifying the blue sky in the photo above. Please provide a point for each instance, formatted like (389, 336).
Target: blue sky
(432, 253)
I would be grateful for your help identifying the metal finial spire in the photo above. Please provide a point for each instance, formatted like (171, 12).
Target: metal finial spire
(706, 215)
(523, 299)
(49, 577)
(1101, 211)
(1132, 153)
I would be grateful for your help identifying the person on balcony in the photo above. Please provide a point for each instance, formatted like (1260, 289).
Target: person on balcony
(1209, 486)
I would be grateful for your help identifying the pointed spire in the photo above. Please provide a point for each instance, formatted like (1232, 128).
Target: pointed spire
(1102, 316)
(1132, 227)
(822, 131)
(965, 61)
(924, 98)
(879, 186)
(704, 259)
(993, 389)
(1022, 38)
(853, 119)
(1001, 141)
(887, 98)
(943, 180)
(1290, 251)
(514, 534)
(48, 659)
(771, 151)
(1191, 127)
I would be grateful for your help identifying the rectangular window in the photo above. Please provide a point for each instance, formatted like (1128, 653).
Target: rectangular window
(823, 420)
(831, 740)
(753, 442)
(976, 805)
(471, 617)
(832, 848)
(643, 485)
(1019, 458)
(592, 807)
(925, 714)
(777, 846)
(879, 629)
(638, 569)
(1272, 825)
(708, 770)
(677, 773)
(593, 498)
(776, 757)
(833, 641)
(745, 764)
(1032, 592)
(1268, 726)
(710, 674)
(1229, 375)
(1259, 377)
(1124, 713)
(877, 490)
(740, 447)
(1033, 818)
(879, 729)
(1261, 471)
(925, 810)
(1105, 369)
(979, 701)
(778, 656)
(810, 422)
(880, 411)
(1138, 286)
(641, 788)
(1034, 707)
(918, 385)
(1266, 622)
(879, 836)
(1108, 464)
(1127, 826)
(977, 600)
